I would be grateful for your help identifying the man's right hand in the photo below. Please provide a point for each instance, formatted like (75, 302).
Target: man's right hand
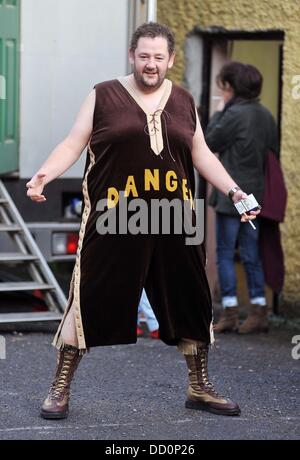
(35, 188)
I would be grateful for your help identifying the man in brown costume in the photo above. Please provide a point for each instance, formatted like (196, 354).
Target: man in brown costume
(144, 138)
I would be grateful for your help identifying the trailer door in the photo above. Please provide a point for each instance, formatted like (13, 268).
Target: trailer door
(9, 84)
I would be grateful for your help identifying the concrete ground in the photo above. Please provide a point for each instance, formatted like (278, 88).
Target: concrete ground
(137, 392)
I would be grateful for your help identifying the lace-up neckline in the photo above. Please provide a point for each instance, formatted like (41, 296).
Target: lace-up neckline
(153, 127)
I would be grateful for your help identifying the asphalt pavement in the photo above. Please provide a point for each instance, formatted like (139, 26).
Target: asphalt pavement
(137, 392)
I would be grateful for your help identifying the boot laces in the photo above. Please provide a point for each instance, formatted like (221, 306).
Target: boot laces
(207, 385)
(61, 383)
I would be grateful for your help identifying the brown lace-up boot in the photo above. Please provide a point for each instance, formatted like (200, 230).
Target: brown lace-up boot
(56, 404)
(256, 321)
(201, 394)
(229, 320)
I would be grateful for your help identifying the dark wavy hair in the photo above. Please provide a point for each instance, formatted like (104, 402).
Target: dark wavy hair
(152, 30)
(245, 79)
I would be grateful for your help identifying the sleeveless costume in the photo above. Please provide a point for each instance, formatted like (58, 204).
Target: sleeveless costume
(149, 155)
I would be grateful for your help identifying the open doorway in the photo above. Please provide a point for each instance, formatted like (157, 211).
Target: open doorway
(264, 50)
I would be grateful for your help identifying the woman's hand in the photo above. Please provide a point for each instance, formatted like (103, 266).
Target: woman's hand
(220, 105)
(35, 188)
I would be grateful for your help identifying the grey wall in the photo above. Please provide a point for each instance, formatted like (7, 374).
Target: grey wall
(66, 47)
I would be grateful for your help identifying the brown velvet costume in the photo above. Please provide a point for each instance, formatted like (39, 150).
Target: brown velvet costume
(111, 270)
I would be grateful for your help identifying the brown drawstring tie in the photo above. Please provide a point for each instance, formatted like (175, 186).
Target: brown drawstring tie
(153, 122)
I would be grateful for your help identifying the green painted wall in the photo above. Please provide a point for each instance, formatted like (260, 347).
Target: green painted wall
(182, 16)
(265, 56)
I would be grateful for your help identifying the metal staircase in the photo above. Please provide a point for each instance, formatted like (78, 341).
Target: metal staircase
(28, 254)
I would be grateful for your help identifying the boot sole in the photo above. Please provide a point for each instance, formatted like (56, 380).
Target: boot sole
(202, 406)
(54, 415)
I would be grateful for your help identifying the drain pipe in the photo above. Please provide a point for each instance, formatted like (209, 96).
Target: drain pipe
(152, 11)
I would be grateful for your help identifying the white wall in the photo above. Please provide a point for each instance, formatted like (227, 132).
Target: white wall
(66, 47)
(193, 53)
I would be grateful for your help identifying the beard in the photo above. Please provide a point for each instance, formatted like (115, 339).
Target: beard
(149, 79)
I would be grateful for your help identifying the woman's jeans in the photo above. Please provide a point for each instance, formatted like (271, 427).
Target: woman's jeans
(230, 231)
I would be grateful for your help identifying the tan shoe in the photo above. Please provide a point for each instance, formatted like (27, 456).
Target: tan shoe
(256, 321)
(56, 405)
(201, 394)
(229, 320)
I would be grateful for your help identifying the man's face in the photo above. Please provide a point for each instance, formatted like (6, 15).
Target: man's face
(151, 60)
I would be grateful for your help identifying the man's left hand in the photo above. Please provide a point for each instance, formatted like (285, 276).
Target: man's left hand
(238, 196)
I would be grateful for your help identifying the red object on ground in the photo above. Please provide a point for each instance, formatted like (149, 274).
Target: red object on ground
(39, 295)
(154, 334)
(139, 332)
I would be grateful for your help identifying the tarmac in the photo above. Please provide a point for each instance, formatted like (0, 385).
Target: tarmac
(137, 392)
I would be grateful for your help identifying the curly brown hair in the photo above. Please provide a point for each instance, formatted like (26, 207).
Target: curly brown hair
(152, 30)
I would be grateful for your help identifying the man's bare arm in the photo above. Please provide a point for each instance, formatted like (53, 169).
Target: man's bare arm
(67, 152)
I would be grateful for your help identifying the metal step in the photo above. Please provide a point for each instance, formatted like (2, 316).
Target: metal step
(24, 286)
(28, 317)
(27, 253)
(10, 228)
(16, 257)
